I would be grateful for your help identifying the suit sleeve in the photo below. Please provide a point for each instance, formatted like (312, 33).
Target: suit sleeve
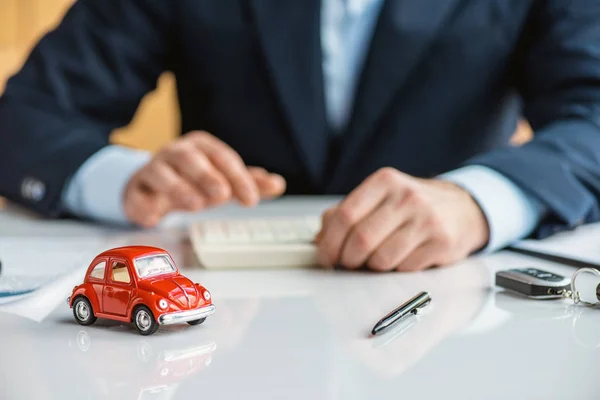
(560, 86)
(80, 82)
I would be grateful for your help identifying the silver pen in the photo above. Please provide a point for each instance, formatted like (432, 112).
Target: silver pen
(411, 307)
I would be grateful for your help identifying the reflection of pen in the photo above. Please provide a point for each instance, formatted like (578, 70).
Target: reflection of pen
(393, 333)
(411, 307)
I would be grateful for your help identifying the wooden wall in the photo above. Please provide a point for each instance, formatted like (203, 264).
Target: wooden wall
(22, 22)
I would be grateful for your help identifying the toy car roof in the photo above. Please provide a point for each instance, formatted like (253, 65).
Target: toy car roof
(132, 251)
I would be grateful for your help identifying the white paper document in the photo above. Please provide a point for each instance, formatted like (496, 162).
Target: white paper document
(13, 287)
(581, 245)
(39, 272)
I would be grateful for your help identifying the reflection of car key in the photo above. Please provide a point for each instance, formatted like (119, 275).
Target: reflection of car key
(533, 283)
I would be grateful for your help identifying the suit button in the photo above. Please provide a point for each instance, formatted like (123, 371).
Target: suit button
(33, 189)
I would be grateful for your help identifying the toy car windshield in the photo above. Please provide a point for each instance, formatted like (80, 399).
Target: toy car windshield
(150, 266)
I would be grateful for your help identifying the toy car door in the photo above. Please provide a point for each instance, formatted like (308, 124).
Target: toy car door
(118, 288)
(97, 278)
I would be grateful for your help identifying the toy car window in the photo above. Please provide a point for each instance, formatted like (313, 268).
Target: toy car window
(154, 265)
(119, 273)
(98, 271)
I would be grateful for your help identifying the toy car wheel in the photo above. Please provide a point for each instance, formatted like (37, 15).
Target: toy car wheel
(144, 321)
(197, 321)
(83, 312)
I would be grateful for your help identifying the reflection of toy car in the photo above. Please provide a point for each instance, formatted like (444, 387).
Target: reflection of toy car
(142, 285)
(138, 369)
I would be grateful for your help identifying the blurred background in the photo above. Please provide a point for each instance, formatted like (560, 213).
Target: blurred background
(23, 22)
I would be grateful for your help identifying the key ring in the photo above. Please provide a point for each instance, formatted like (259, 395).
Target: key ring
(574, 294)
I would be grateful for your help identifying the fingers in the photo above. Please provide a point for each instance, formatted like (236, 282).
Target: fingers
(440, 248)
(144, 207)
(269, 185)
(397, 247)
(196, 169)
(162, 180)
(360, 203)
(230, 164)
(425, 256)
(193, 173)
(371, 232)
(394, 221)
(324, 217)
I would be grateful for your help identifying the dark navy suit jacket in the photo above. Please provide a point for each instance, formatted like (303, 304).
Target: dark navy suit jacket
(443, 86)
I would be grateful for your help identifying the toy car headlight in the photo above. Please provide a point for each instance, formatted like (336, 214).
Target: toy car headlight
(163, 304)
(206, 295)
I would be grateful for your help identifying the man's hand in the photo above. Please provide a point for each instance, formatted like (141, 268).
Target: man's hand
(393, 221)
(193, 173)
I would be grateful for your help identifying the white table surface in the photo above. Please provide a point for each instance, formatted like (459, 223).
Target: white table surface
(289, 334)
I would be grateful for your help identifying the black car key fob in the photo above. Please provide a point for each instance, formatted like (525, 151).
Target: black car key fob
(533, 283)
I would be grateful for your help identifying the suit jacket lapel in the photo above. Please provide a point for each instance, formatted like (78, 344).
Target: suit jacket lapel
(403, 34)
(289, 32)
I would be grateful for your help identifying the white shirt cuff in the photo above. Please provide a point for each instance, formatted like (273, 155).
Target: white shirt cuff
(511, 213)
(97, 188)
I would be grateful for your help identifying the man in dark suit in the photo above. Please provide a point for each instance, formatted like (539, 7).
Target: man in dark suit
(407, 106)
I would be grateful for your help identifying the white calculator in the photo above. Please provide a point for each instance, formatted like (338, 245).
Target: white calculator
(274, 242)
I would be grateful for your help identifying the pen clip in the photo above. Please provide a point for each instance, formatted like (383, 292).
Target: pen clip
(419, 306)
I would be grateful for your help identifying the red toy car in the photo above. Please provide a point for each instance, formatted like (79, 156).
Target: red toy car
(142, 285)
